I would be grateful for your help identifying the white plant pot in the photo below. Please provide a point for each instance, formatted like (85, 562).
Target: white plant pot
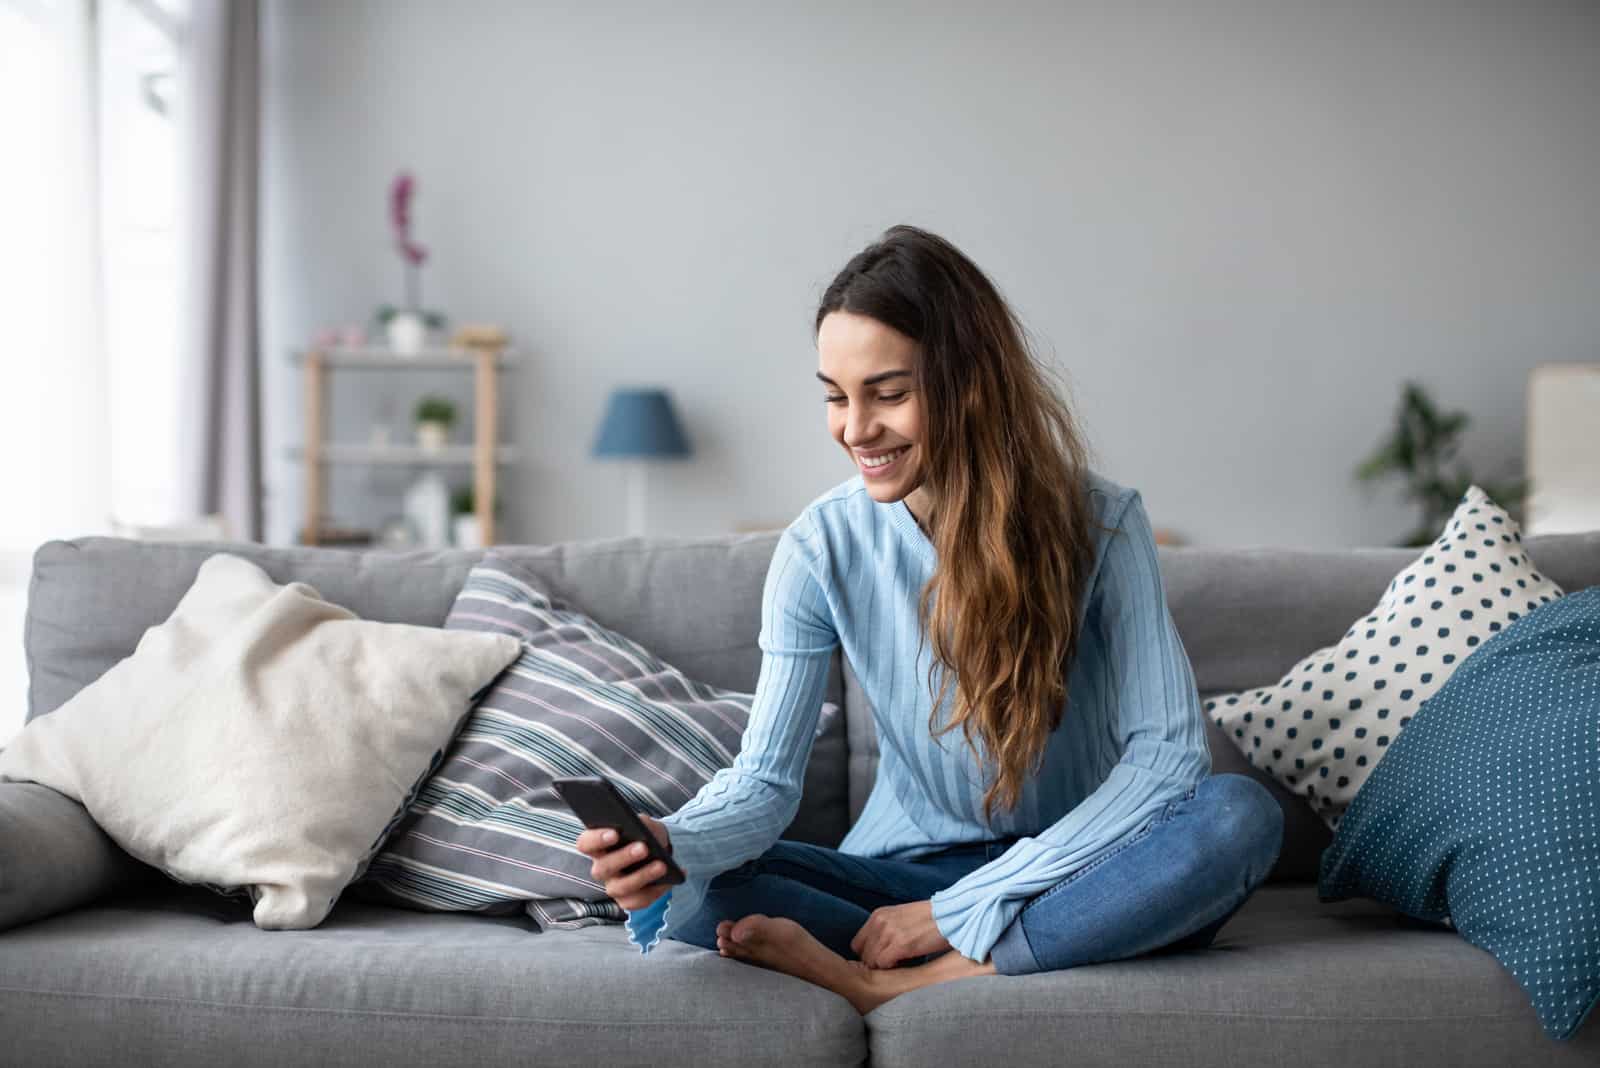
(467, 533)
(431, 436)
(407, 332)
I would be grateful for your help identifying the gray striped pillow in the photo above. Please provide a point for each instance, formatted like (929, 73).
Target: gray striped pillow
(487, 832)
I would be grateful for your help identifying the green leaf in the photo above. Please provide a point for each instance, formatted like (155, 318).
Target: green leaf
(434, 409)
(1422, 448)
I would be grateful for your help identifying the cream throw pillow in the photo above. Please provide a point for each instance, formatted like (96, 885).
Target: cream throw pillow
(1324, 726)
(261, 738)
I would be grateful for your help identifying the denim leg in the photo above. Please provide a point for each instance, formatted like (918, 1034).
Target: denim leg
(1172, 885)
(734, 894)
(827, 892)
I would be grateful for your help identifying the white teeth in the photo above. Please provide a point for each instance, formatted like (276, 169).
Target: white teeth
(880, 461)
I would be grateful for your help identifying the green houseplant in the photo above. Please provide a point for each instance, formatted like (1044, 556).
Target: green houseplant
(1421, 449)
(435, 417)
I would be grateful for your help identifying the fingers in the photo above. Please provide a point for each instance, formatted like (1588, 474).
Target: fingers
(640, 901)
(623, 885)
(873, 951)
(874, 944)
(889, 958)
(612, 858)
(614, 862)
(596, 840)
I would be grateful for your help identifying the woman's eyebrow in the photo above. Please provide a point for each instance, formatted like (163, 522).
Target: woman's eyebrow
(874, 380)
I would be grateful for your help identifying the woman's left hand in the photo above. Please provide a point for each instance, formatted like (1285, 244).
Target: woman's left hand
(898, 932)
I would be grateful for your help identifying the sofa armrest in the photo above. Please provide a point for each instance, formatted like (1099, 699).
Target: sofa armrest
(53, 857)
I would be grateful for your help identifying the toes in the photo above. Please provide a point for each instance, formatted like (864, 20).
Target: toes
(742, 954)
(749, 929)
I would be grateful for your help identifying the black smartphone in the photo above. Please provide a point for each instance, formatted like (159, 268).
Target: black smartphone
(598, 803)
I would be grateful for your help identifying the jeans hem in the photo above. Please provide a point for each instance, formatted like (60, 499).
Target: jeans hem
(1011, 954)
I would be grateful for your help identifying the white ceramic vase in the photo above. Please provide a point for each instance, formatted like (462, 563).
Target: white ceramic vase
(427, 505)
(407, 332)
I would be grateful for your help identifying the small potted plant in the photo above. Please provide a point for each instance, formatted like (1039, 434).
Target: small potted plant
(435, 417)
(464, 518)
(1421, 449)
(407, 328)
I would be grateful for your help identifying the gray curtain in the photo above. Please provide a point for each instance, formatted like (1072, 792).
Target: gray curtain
(218, 106)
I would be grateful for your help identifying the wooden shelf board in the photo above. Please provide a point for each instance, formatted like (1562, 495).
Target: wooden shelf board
(431, 359)
(398, 454)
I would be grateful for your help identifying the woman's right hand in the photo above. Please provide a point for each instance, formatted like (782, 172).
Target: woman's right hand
(636, 889)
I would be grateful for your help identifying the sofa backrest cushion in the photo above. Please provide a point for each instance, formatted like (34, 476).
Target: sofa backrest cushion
(1245, 617)
(693, 601)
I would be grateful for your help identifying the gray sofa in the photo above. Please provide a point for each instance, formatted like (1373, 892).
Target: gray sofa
(130, 968)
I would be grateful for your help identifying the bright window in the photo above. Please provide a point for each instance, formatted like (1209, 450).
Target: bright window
(88, 283)
(138, 198)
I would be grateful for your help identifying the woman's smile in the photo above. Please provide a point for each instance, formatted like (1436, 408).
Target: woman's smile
(881, 465)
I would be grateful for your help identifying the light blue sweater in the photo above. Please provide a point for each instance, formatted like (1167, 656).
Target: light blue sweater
(848, 572)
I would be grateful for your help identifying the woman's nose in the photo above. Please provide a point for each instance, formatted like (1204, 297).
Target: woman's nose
(858, 428)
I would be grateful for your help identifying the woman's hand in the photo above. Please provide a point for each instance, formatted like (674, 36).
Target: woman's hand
(636, 889)
(898, 932)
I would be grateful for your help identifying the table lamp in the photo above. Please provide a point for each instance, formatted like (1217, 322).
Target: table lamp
(639, 426)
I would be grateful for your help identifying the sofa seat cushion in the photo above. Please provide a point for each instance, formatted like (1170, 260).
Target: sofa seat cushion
(182, 977)
(1288, 980)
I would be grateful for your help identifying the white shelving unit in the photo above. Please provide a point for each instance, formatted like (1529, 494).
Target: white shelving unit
(485, 363)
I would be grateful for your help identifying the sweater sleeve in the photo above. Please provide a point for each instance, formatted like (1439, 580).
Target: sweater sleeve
(1157, 719)
(743, 809)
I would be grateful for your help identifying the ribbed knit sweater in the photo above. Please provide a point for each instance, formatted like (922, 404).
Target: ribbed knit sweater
(847, 572)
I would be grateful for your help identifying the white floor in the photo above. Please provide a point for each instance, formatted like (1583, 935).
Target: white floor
(13, 672)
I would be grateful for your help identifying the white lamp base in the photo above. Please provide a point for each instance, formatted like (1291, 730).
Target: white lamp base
(636, 491)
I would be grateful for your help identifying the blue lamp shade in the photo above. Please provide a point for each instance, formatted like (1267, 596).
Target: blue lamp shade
(640, 423)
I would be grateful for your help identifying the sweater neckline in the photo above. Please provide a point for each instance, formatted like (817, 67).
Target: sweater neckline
(901, 515)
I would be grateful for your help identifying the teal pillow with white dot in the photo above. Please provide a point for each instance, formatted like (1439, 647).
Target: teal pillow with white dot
(1487, 810)
(1323, 728)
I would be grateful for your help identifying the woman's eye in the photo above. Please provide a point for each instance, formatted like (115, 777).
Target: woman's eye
(832, 400)
(892, 396)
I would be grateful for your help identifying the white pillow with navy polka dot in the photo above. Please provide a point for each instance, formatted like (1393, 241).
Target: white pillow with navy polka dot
(1323, 728)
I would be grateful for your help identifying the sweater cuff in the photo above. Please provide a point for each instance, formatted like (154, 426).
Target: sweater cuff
(667, 914)
(693, 850)
(972, 920)
(671, 911)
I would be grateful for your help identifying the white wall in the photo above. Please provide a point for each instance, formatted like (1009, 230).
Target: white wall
(1237, 227)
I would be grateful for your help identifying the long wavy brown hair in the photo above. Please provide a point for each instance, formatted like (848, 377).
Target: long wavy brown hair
(1007, 468)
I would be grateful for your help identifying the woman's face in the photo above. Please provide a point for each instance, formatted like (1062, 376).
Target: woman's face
(868, 373)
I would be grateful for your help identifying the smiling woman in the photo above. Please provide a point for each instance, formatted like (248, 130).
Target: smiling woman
(942, 405)
(974, 543)
(875, 409)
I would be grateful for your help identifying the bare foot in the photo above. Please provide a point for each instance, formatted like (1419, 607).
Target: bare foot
(781, 944)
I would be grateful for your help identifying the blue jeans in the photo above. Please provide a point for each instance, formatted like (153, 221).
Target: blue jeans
(1171, 886)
